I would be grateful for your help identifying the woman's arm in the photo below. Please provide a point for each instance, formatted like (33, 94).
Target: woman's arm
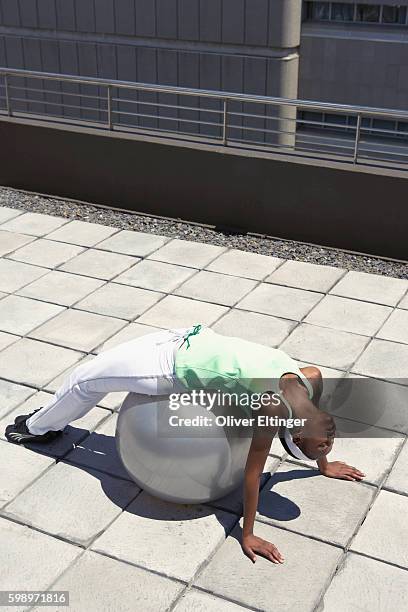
(339, 469)
(251, 544)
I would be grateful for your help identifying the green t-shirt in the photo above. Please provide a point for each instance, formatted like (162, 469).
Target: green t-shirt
(212, 361)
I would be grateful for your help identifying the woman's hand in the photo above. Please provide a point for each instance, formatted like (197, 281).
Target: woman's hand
(339, 469)
(252, 546)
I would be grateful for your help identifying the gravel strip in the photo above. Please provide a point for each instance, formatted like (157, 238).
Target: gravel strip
(287, 249)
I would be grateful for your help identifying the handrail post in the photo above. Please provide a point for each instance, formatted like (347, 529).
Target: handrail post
(357, 139)
(225, 123)
(8, 103)
(110, 122)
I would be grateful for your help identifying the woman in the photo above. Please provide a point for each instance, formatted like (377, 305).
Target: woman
(176, 361)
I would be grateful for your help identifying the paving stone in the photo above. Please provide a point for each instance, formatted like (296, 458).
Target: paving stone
(349, 315)
(127, 589)
(113, 401)
(46, 253)
(280, 301)
(319, 345)
(11, 395)
(203, 602)
(72, 434)
(98, 451)
(218, 288)
(155, 275)
(246, 265)
(61, 288)
(35, 363)
(187, 253)
(304, 501)
(368, 586)
(24, 468)
(371, 401)
(10, 242)
(99, 264)
(79, 330)
(254, 327)
(19, 315)
(14, 275)
(6, 339)
(371, 287)
(265, 586)
(398, 478)
(404, 302)
(34, 224)
(84, 502)
(82, 233)
(174, 312)
(119, 301)
(2, 295)
(133, 243)
(56, 382)
(8, 213)
(31, 560)
(127, 333)
(306, 276)
(384, 532)
(233, 502)
(371, 450)
(383, 359)
(396, 327)
(188, 534)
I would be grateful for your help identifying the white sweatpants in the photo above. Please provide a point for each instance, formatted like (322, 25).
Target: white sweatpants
(144, 365)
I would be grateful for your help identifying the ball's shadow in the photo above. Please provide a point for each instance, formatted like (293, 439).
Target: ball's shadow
(96, 454)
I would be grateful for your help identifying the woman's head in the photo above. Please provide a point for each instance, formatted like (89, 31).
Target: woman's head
(314, 440)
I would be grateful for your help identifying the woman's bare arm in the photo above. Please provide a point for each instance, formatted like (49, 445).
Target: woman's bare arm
(258, 453)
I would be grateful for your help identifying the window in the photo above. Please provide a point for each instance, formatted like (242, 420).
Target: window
(369, 13)
(342, 12)
(328, 122)
(396, 15)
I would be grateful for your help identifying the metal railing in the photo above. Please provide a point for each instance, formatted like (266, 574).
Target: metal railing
(215, 117)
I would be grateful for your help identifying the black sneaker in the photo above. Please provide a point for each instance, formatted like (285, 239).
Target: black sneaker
(18, 432)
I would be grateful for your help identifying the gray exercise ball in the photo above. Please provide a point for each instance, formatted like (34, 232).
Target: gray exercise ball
(184, 465)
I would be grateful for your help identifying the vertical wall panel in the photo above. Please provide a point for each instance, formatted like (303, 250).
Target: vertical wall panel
(47, 17)
(88, 66)
(127, 71)
(189, 76)
(15, 59)
(11, 13)
(145, 18)
(147, 73)
(85, 15)
(233, 80)
(254, 83)
(28, 13)
(32, 61)
(106, 55)
(125, 17)
(167, 74)
(69, 65)
(256, 22)
(166, 18)
(189, 19)
(210, 20)
(50, 63)
(3, 62)
(65, 15)
(210, 78)
(233, 21)
(104, 16)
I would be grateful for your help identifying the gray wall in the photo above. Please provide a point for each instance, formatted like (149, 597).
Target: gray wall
(233, 45)
(325, 203)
